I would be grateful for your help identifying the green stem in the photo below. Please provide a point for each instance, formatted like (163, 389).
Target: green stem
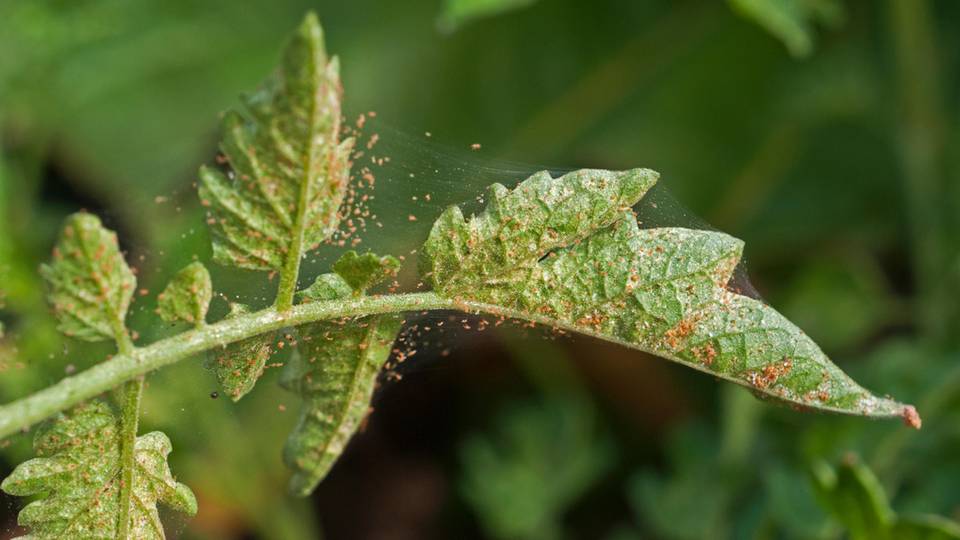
(920, 141)
(126, 366)
(291, 269)
(25, 412)
(129, 422)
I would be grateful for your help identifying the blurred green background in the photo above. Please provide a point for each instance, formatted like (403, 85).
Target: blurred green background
(822, 132)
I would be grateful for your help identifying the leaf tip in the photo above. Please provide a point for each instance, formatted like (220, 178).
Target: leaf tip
(187, 500)
(7, 486)
(301, 485)
(311, 30)
(636, 182)
(911, 417)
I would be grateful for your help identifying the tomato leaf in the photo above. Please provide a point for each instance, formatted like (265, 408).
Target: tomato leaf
(77, 479)
(187, 296)
(568, 252)
(91, 285)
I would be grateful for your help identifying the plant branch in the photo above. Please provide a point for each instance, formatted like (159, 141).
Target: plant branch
(920, 141)
(25, 412)
(130, 422)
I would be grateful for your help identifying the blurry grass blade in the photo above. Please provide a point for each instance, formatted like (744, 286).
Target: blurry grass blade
(925, 527)
(855, 498)
(541, 458)
(77, 479)
(289, 170)
(567, 252)
(187, 296)
(791, 21)
(456, 13)
(90, 283)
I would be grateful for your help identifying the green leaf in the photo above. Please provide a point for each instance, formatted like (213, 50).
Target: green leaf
(363, 271)
(289, 169)
(521, 225)
(855, 498)
(77, 479)
(540, 459)
(925, 527)
(791, 21)
(326, 287)
(187, 296)
(456, 13)
(239, 365)
(336, 370)
(567, 252)
(90, 284)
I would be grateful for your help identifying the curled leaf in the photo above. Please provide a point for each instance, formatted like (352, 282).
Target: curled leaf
(90, 283)
(335, 370)
(289, 169)
(77, 479)
(239, 365)
(187, 296)
(565, 251)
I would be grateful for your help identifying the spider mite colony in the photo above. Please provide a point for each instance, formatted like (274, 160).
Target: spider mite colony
(565, 252)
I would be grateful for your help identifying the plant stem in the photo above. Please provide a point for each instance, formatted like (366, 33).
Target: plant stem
(25, 412)
(126, 366)
(129, 422)
(291, 269)
(920, 141)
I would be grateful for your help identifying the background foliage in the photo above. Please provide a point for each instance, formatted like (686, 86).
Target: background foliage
(822, 133)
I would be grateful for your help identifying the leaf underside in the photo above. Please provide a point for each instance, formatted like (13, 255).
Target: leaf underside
(364, 271)
(335, 372)
(239, 365)
(77, 479)
(289, 170)
(187, 296)
(90, 283)
(568, 251)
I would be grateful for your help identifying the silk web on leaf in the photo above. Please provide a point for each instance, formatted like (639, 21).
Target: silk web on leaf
(565, 249)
